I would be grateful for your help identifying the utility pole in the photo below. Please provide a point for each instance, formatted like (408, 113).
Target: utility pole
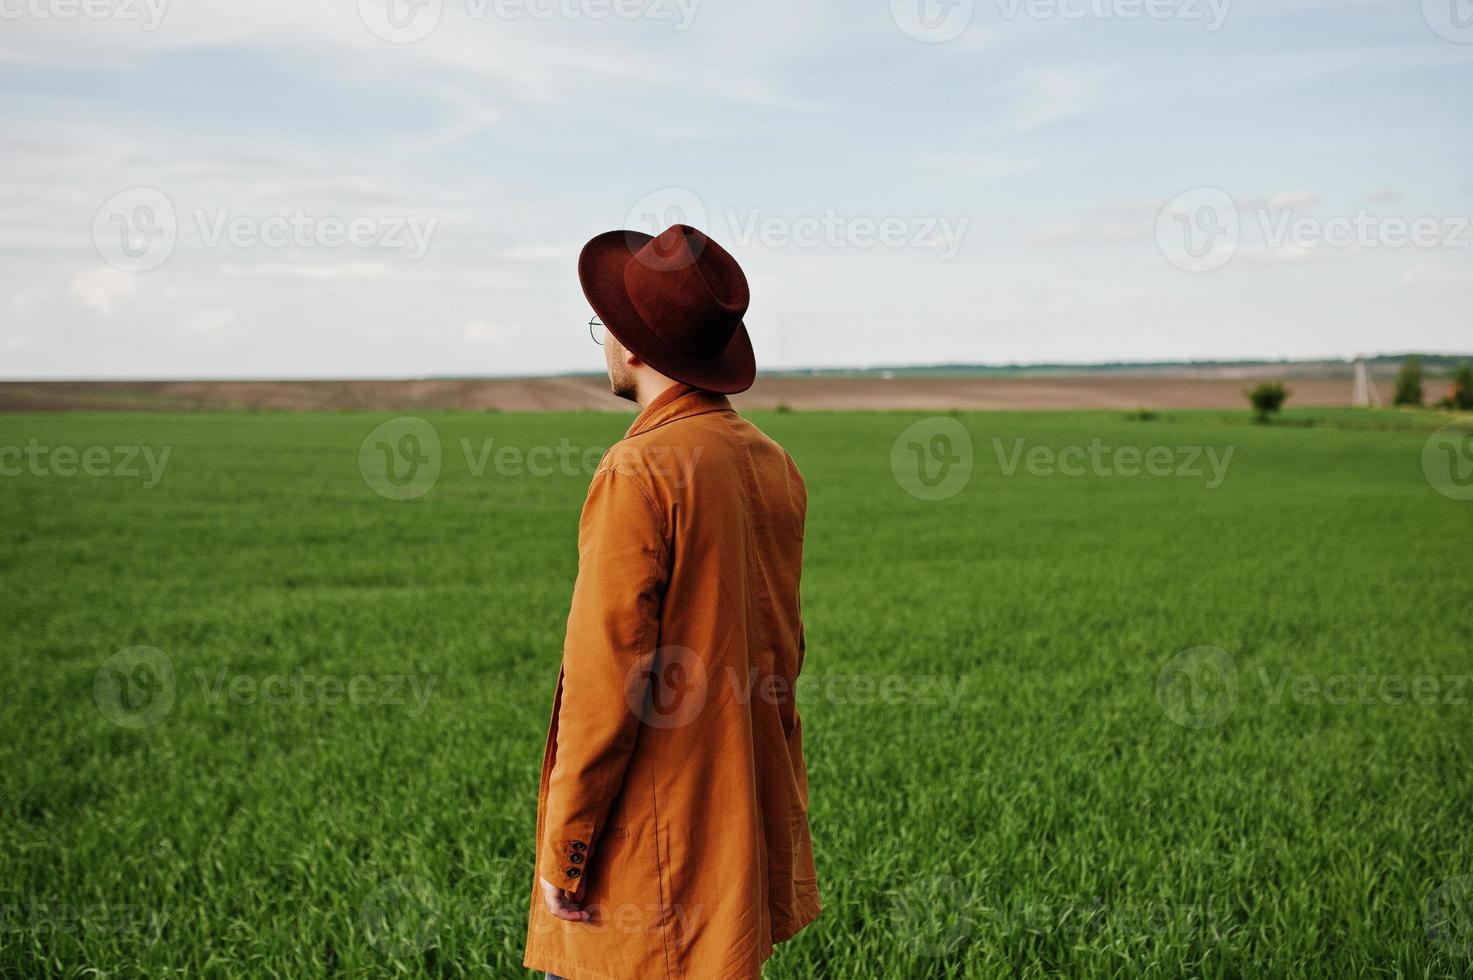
(1364, 394)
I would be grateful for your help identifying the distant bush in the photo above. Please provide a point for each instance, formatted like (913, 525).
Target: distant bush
(1462, 393)
(783, 408)
(1409, 383)
(1267, 399)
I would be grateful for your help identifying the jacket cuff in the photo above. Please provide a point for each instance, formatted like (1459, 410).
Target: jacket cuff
(565, 860)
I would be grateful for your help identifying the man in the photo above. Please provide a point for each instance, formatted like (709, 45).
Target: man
(672, 821)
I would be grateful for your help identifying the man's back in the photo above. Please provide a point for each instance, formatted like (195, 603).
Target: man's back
(674, 789)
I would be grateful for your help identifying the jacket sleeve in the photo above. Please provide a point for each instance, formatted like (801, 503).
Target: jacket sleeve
(623, 567)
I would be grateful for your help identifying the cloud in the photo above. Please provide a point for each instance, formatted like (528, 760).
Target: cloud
(483, 332)
(212, 322)
(1049, 95)
(25, 301)
(1282, 201)
(102, 289)
(302, 270)
(1421, 275)
(534, 253)
(981, 164)
(1129, 221)
(1383, 195)
(1286, 254)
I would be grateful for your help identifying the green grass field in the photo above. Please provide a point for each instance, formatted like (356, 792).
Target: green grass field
(1023, 760)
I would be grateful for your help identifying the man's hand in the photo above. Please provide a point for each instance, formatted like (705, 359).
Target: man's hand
(563, 904)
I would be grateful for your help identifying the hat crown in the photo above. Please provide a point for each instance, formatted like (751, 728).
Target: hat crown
(689, 291)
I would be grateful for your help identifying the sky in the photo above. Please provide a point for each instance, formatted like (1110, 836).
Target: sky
(400, 188)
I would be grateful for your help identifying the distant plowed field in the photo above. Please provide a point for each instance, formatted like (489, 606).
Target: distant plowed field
(585, 392)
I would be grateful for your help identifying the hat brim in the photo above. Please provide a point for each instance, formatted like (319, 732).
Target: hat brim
(601, 271)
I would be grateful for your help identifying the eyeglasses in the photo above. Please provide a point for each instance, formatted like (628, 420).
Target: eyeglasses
(595, 326)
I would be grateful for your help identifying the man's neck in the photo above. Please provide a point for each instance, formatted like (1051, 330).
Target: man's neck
(650, 387)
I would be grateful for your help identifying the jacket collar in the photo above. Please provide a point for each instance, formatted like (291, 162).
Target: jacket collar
(677, 402)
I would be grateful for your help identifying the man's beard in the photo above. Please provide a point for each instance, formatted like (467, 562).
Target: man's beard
(621, 380)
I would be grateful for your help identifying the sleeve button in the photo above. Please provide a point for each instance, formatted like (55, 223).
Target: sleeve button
(576, 858)
(578, 845)
(573, 872)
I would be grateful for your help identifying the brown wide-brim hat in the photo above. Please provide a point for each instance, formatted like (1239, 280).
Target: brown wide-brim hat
(677, 301)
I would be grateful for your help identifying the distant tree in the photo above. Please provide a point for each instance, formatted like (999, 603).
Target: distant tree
(1267, 399)
(1409, 382)
(1462, 393)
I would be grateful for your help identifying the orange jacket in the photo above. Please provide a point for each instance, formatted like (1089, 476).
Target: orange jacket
(673, 783)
